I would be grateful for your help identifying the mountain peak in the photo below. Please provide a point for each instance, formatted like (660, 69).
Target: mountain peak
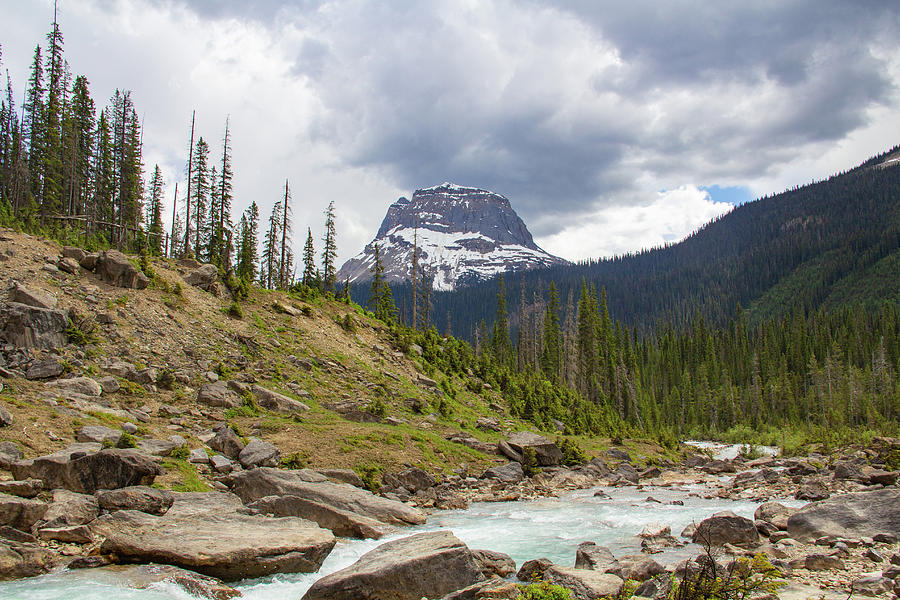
(463, 234)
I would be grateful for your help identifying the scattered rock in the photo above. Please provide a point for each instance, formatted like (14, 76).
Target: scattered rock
(77, 385)
(28, 488)
(203, 277)
(534, 569)
(110, 385)
(872, 586)
(258, 453)
(774, 513)
(726, 528)
(141, 577)
(218, 394)
(415, 479)
(30, 297)
(6, 419)
(9, 451)
(638, 567)
(44, 369)
(822, 562)
(73, 252)
(30, 327)
(494, 563)
(423, 565)
(24, 559)
(546, 451)
(221, 464)
(584, 583)
(812, 491)
(138, 497)
(114, 268)
(227, 442)
(99, 434)
(70, 509)
(511, 472)
(21, 513)
(75, 534)
(277, 402)
(67, 265)
(342, 476)
(591, 556)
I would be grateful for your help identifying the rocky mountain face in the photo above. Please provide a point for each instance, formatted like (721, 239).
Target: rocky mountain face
(463, 234)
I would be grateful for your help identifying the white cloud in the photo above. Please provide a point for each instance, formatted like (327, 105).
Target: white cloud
(619, 229)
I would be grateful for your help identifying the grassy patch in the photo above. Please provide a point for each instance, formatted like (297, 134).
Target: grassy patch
(190, 478)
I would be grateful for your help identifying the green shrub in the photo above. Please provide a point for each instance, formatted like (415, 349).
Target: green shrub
(377, 407)
(165, 379)
(572, 453)
(295, 460)
(235, 311)
(347, 323)
(180, 453)
(127, 441)
(543, 591)
(370, 475)
(530, 462)
(81, 330)
(744, 578)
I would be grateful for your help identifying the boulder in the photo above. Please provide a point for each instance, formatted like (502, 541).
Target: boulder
(114, 268)
(774, 513)
(488, 424)
(74, 253)
(89, 261)
(67, 265)
(726, 528)
(140, 577)
(585, 584)
(221, 464)
(6, 419)
(30, 327)
(657, 588)
(70, 509)
(86, 473)
(854, 515)
(157, 447)
(717, 467)
(532, 570)
(206, 533)
(591, 556)
(342, 523)
(99, 434)
(69, 534)
(844, 470)
(415, 479)
(812, 491)
(258, 453)
(546, 451)
(638, 567)
(511, 472)
(628, 473)
(9, 451)
(24, 559)
(28, 488)
(424, 565)
(277, 402)
(137, 497)
(506, 450)
(21, 513)
(492, 563)
(618, 454)
(76, 385)
(872, 586)
(218, 394)
(30, 297)
(44, 369)
(885, 478)
(257, 483)
(494, 588)
(822, 562)
(203, 277)
(227, 442)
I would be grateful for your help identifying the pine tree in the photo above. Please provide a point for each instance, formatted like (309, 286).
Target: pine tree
(329, 253)
(249, 235)
(52, 170)
(78, 186)
(550, 357)
(199, 203)
(187, 206)
(154, 203)
(500, 345)
(286, 262)
(33, 126)
(270, 267)
(309, 260)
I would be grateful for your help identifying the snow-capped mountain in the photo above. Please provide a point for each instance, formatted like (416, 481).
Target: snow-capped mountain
(462, 233)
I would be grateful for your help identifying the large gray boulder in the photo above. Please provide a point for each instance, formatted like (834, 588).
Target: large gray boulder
(218, 394)
(9, 451)
(31, 327)
(511, 472)
(6, 419)
(726, 528)
(114, 268)
(78, 471)
(342, 523)
(423, 565)
(76, 385)
(276, 402)
(204, 532)
(415, 479)
(258, 483)
(492, 563)
(140, 577)
(775, 513)
(855, 515)
(585, 584)
(638, 567)
(21, 513)
(202, 277)
(591, 556)
(69, 509)
(227, 442)
(258, 453)
(546, 451)
(99, 434)
(31, 297)
(24, 559)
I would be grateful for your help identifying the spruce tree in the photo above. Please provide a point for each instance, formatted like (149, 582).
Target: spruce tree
(309, 260)
(199, 203)
(154, 211)
(286, 263)
(329, 253)
(249, 234)
(500, 345)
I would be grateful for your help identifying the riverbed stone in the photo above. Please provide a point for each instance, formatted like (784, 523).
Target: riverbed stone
(853, 515)
(21, 513)
(511, 472)
(80, 468)
(533, 569)
(585, 584)
(138, 497)
(546, 452)
(141, 577)
(342, 523)
(264, 481)
(638, 567)
(424, 565)
(726, 528)
(205, 532)
(872, 586)
(494, 563)
(591, 556)
(775, 513)
(27, 488)
(24, 559)
(70, 509)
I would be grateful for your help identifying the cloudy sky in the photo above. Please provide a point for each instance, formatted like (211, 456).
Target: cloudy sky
(610, 126)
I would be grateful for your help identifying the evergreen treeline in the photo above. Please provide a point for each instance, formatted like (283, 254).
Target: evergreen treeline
(826, 244)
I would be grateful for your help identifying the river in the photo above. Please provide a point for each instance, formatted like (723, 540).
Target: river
(549, 527)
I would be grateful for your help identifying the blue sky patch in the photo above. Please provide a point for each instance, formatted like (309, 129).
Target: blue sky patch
(735, 195)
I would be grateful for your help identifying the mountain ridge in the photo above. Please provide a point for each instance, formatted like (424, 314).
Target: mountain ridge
(462, 233)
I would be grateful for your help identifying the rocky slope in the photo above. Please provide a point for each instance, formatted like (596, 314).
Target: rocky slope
(463, 234)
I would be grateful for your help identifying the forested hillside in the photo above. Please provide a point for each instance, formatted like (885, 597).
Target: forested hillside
(827, 244)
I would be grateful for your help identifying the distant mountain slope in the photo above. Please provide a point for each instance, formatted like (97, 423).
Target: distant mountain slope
(825, 244)
(463, 235)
